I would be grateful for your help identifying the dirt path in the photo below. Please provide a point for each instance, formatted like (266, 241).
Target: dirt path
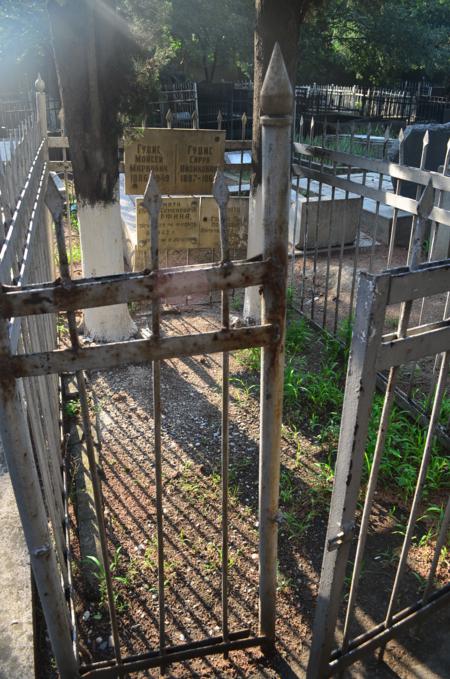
(191, 472)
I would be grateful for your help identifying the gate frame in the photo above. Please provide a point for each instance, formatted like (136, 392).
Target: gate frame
(370, 352)
(268, 271)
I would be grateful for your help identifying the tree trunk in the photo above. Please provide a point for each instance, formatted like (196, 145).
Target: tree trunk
(276, 21)
(93, 62)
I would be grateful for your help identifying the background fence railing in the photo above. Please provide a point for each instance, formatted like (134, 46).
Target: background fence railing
(349, 213)
(26, 258)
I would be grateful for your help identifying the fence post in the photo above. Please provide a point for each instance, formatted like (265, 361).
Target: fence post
(25, 482)
(41, 106)
(276, 108)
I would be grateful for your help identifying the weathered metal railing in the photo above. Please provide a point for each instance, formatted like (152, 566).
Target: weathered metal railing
(354, 217)
(26, 259)
(37, 301)
(373, 351)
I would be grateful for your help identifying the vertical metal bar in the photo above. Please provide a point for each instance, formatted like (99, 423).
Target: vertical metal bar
(305, 228)
(55, 205)
(423, 160)
(370, 493)
(276, 107)
(401, 138)
(440, 390)
(359, 390)
(294, 236)
(152, 202)
(244, 125)
(440, 542)
(316, 241)
(221, 195)
(327, 273)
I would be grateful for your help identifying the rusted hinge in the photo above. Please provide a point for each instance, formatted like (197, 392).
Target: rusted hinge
(345, 534)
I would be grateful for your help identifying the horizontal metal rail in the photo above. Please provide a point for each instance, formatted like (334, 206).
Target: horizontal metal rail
(399, 351)
(379, 635)
(212, 646)
(390, 198)
(136, 352)
(138, 287)
(401, 172)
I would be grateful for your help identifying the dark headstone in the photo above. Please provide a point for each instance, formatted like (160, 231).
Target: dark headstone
(412, 150)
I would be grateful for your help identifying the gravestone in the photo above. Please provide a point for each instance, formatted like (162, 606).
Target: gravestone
(412, 150)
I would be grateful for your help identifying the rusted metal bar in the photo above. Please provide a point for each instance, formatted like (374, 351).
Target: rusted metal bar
(139, 287)
(221, 195)
(152, 202)
(212, 646)
(137, 352)
(55, 205)
(276, 106)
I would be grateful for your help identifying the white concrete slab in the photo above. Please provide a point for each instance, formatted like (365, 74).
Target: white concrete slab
(16, 618)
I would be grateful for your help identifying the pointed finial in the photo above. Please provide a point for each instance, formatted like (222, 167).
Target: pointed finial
(244, 119)
(387, 133)
(194, 118)
(220, 189)
(152, 196)
(219, 120)
(39, 84)
(277, 97)
(426, 138)
(169, 119)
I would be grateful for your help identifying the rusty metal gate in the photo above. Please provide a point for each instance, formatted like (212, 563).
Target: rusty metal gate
(65, 295)
(373, 351)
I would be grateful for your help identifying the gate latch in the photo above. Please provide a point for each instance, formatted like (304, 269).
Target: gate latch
(343, 536)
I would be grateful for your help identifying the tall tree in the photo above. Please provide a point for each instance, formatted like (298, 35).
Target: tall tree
(276, 21)
(93, 49)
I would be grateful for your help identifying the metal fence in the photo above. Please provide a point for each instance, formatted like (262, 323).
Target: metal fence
(42, 301)
(349, 214)
(26, 259)
(381, 104)
(373, 350)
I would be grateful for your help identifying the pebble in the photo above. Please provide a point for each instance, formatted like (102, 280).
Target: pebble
(86, 615)
(98, 641)
(182, 637)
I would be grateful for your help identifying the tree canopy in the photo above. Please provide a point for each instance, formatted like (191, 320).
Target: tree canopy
(380, 42)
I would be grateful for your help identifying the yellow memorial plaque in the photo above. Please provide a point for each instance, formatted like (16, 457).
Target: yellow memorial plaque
(184, 161)
(178, 226)
(237, 222)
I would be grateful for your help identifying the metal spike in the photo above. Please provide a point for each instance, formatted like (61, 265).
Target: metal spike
(426, 139)
(169, 119)
(219, 120)
(194, 118)
(152, 200)
(277, 97)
